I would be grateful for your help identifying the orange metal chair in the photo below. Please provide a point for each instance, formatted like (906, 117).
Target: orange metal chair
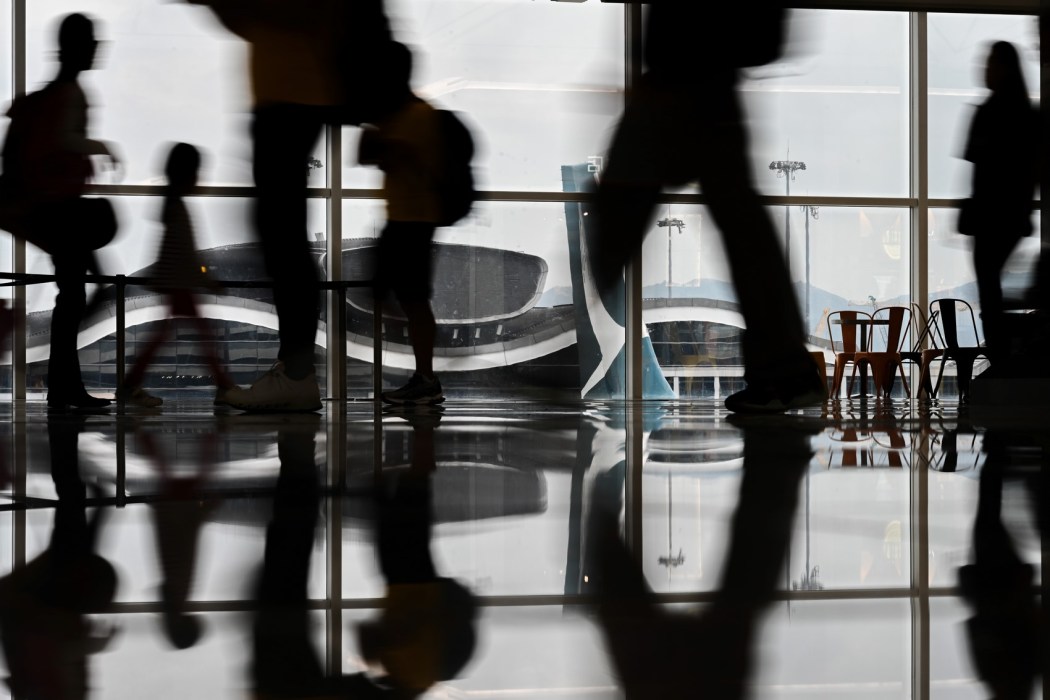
(885, 344)
(845, 345)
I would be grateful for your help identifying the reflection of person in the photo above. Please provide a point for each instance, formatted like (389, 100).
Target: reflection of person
(1001, 138)
(1004, 630)
(47, 164)
(684, 121)
(44, 605)
(178, 517)
(296, 89)
(660, 654)
(178, 271)
(404, 143)
(425, 632)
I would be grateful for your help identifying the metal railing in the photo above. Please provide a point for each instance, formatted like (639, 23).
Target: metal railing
(121, 282)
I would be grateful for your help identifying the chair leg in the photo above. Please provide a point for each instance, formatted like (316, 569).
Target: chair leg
(964, 368)
(904, 379)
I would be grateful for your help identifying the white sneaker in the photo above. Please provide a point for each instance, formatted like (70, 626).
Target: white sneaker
(275, 391)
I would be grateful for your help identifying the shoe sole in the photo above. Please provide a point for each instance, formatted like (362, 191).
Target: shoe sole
(802, 401)
(429, 401)
(272, 409)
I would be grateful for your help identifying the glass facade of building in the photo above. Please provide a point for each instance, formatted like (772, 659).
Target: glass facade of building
(838, 131)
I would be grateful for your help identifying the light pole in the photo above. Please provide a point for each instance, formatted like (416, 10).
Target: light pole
(786, 169)
(814, 212)
(670, 223)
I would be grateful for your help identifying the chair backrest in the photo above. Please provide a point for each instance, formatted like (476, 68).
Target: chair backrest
(845, 338)
(892, 337)
(956, 323)
(923, 328)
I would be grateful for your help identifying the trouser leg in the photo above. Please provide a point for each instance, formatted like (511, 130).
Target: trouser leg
(283, 137)
(63, 367)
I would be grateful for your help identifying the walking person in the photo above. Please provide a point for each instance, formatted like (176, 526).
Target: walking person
(685, 122)
(47, 163)
(297, 89)
(404, 142)
(178, 271)
(1001, 141)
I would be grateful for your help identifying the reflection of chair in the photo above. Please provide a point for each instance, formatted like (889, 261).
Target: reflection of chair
(948, 313)
(894, 445)
(884, 357)
(856, 447)
(846, 345)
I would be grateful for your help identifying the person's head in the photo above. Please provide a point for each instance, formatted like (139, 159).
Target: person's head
(1002, 71)
(398, 66)
(182, 166)
(77, 45)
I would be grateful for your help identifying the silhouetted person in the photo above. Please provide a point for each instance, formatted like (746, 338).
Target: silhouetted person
(296, 90)
(426, 630)
(1002, 139)
(1004, 632)
(179, 271)
(683, 122)
(404, 141)
(45, 630)
(47, 165)
(707, 654)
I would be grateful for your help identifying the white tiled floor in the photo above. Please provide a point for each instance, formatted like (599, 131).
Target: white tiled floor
(864, 604)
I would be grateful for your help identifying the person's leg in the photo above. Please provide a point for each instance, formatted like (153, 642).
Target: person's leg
(283, 137)
(133, 379)
(628, 187)
(774, 341)
(990, 253)
(422, 329)
(414, 288)
(63, 368)
(211, 352)
(405, 265)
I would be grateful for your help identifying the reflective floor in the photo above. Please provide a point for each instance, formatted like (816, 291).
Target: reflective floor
(522, 549)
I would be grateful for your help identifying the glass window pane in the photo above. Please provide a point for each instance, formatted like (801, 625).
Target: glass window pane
(504, 287)
(165, 72)
(244, 320)
(958, 48)
(540, 83)
(837, 101)
(840, 258)
(6, 65)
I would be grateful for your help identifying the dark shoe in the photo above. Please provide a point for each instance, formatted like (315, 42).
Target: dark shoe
(783, 395)
(417, 391)
(274, 392)
(58, 402)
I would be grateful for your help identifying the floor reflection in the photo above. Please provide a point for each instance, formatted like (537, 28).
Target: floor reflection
(863, 549)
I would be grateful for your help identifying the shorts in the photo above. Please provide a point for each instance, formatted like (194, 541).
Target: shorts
(404, 261)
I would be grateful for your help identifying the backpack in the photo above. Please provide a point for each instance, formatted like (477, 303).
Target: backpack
(455, 186)
(36, 162)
